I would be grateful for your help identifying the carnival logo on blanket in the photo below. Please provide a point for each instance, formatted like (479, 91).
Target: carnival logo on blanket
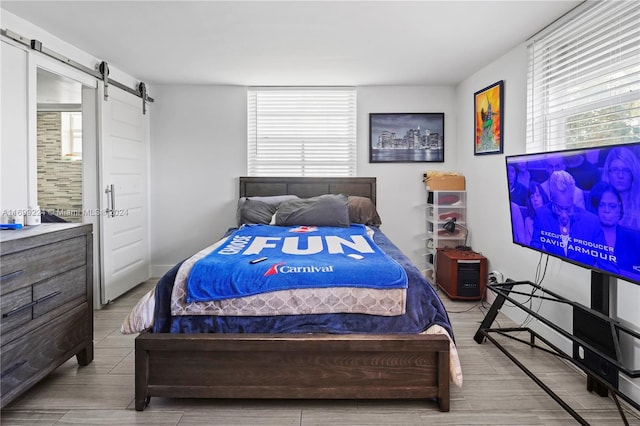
(282, 268)
(273, 269)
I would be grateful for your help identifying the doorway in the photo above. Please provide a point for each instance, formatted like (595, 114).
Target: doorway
(91, 160)
(63, 151)
(59, 147)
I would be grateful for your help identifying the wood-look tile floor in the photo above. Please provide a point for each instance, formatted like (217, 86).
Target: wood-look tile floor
(494, 392)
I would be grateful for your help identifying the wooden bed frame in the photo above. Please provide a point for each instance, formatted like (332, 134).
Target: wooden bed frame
(293, 366)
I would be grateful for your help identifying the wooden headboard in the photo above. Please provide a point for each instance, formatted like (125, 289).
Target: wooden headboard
(305, 187)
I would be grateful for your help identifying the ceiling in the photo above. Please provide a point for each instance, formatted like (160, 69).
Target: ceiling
(287, 43)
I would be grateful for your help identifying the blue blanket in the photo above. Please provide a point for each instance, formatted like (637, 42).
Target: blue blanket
(424, 309)
(292, 258)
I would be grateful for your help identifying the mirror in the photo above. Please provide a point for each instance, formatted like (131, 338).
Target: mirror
(59, 147)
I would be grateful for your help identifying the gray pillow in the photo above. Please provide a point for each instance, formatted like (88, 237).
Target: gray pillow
(252, 211)
(243, 212)
(362, 210)
(323, 210)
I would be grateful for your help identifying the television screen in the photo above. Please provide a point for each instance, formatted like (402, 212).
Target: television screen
(580, 205)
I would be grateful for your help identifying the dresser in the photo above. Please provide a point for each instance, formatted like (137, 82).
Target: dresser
(46, 295)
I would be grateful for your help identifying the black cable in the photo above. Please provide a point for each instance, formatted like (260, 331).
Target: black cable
(465, 311)
(529, 317)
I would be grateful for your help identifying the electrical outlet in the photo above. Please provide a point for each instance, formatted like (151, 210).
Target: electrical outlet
(494, 277)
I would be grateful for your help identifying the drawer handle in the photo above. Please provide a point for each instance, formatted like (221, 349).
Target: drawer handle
(13, 368)
(28, 305)
(11, 275)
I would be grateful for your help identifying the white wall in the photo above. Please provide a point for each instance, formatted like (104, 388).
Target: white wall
(489, 215)
(401, 193)
(198, 151)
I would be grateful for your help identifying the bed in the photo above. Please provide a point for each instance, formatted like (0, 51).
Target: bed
(179, 358)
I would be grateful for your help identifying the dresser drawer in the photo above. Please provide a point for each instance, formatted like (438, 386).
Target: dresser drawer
(31, 357)
(63, 288)
(27, 303)
(16, 309)
(26, 267)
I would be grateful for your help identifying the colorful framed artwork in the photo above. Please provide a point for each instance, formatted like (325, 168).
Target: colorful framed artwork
(406, 137)
(488, 106)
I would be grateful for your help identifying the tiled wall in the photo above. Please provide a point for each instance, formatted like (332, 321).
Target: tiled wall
(59, 181)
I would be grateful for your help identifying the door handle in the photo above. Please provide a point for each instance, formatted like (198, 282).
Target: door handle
(111, 209)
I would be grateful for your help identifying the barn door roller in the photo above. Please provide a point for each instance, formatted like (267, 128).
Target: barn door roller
(101, 71)
(142, 89)
(104, 71)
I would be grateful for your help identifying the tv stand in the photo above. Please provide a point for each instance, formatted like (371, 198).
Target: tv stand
(600, 285)
(599, 358)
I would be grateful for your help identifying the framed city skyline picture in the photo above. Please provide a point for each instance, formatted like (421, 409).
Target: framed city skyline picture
(406, 137)
(488, 119)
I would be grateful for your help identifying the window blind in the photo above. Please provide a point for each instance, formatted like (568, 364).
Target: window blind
(584, 79)
(301, 132)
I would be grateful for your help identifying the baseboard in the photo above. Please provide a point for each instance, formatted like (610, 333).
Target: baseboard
(158, 271)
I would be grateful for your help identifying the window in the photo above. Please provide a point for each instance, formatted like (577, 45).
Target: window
(584, 79)
(71, 135)
(301, 132)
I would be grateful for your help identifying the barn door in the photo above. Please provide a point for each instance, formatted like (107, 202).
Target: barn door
(124, 190)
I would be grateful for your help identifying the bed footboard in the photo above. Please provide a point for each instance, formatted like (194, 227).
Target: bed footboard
(292, 366)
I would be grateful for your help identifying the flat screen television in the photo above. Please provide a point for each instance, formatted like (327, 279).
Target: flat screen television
(580, 205)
